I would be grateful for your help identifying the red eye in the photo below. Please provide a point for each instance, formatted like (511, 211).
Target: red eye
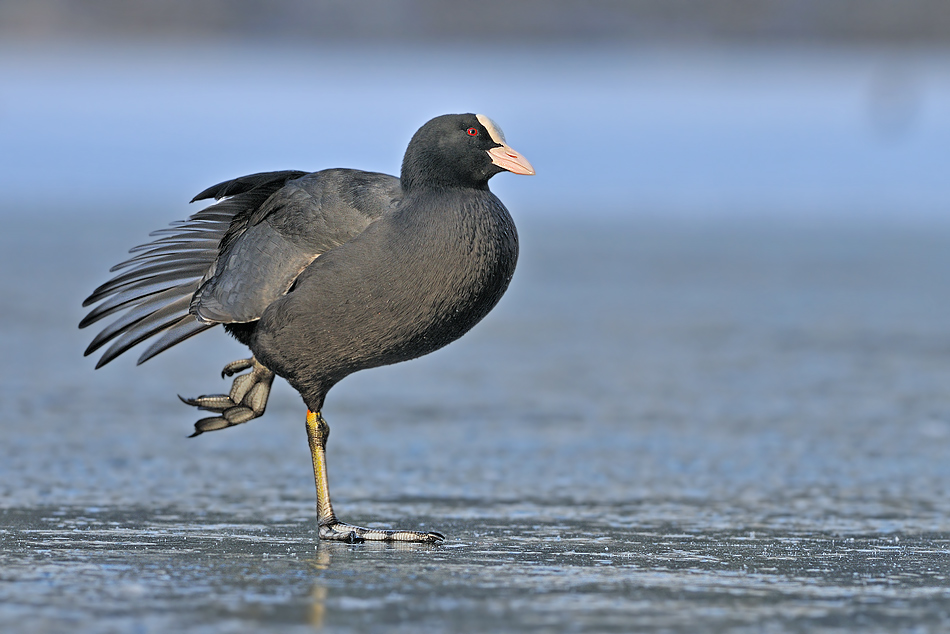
(472, 131)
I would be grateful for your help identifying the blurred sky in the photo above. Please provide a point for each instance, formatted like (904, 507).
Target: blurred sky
(797, 107)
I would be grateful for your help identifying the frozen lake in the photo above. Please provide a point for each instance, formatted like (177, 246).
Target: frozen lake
(736, 424)
(715, 397)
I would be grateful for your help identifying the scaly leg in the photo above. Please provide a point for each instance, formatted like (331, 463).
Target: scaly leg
(246, 401)
(330, 527)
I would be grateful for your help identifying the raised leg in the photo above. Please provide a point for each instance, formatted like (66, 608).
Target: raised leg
(330, 527)
(246, 400)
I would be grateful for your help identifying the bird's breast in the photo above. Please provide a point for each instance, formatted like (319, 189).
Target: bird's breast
(454, 270)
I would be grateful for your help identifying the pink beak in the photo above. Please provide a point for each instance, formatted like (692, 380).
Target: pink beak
(506, 158)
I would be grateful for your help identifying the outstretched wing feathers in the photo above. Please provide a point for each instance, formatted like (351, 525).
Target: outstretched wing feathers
(156, 285)
(146, 327)
(186, 327)
(167, 245)
(176, 254)
(171, 278)
(125, 298)
(135, 316)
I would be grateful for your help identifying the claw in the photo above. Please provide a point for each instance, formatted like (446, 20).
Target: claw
(246, 400)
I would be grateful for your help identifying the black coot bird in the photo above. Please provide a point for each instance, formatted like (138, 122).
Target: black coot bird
(323, 274)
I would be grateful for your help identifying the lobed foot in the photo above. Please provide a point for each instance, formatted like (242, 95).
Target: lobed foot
(343, 532)
(246, 401)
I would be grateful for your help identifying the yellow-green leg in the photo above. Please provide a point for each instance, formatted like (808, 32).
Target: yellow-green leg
(330, 527)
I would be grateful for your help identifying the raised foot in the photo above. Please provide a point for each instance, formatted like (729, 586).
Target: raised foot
(246, 400)
(342, 532)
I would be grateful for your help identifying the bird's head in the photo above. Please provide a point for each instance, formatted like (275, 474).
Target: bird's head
(459, 150)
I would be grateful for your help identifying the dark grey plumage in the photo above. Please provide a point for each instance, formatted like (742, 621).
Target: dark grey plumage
(411, 283)
(324, 274)
(444, 244)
